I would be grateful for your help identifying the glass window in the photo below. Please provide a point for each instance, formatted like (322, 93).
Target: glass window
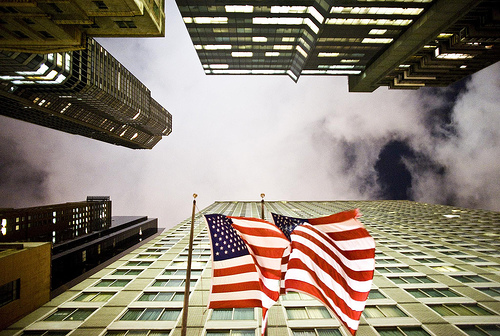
(375, 294)
(151, 314)
(45, 333)
(383, 311)
(233, 314)
(127, 272)
(137, 333)
(470, 278)
(491, 291)
(447, 269)
(112, 283)
(403, 269)
(139, 263)
(70, 314)
(94, 296)
(481, 330)
(431, 292)
(162, 296)
(10, 292)
(304, 313)
(234, 332)
(317, 332)
(460, 310)
(411, 279)
(402, 331)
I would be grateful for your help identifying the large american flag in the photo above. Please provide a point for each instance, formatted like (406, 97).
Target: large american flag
(333, 259)
(246, 263)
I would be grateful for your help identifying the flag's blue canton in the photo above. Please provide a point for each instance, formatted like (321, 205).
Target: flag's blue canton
(226, 243)
(287, 224)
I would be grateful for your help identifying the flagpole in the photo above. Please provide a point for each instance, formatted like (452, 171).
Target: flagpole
(188, 272)
(262, 205)
(263, 217)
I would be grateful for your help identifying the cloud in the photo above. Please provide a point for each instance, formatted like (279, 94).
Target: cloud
(470, 154)
(23, 182)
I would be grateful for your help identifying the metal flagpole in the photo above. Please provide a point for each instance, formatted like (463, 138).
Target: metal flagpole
(188, 272)
(262, 217)
(262, 205)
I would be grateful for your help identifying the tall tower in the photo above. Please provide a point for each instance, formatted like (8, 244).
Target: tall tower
(57, 26)
(400, 44)
(85, 92)
(437, 274)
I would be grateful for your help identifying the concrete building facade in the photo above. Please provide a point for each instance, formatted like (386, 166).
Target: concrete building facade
(437, 274)
(24, 279)
(400, 44)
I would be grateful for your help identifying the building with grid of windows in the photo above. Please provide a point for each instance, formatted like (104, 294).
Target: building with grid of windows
(85, 92)
(83, 234)
(437, 274)
(400, 44)
(58, 26)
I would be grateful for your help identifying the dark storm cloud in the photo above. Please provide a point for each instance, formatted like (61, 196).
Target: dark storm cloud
(22, 183)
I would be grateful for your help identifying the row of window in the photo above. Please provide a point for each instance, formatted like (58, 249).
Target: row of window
(472, 330)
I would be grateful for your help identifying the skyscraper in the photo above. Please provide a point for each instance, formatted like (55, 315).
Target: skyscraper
(437, 274)
(39, 27)
(85, 92)
(399, 44)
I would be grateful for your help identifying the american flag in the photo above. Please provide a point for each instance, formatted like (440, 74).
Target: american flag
(332, 259)
(246, 263)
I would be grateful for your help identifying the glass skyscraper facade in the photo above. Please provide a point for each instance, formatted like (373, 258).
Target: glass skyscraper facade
(437, 273)
(403, 44)
(85, 92)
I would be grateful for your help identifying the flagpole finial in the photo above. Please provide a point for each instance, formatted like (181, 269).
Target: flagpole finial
(195, 195)
(262, 195)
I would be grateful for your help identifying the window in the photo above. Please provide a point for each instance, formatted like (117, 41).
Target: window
(429, 260)
(470, 278)
(148, 256)
(10, 292)
(138, 333)
(94, 296)
(491, 291)
(411, 279)
(234, 332)
(383, 311)
(162, 296)
(460, 310)
(45, 333)
(316, 332)
(181, 272)
(403, 269)
(126, 24)
(70, 314)
(151, 314)
(432, 292)
(472, 260)
(402, 331)
(233, 314)
(139, 263)
(304, 313)
(375, 294)
(173, 283)
(127, 272)
(100, 4)
(481, 330)
(296, 296)
(112, 283)
(447, 269)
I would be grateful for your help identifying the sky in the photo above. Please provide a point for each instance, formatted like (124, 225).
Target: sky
(235, 137)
